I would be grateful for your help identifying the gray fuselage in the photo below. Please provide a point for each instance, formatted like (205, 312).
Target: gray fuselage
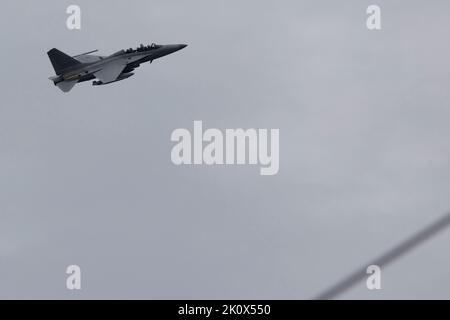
(85, 71)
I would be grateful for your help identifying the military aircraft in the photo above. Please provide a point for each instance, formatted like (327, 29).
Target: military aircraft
(71, 70)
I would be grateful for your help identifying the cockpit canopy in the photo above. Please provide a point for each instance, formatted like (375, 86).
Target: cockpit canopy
(143, 48)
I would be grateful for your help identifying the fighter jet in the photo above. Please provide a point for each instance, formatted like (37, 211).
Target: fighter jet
(71, 70)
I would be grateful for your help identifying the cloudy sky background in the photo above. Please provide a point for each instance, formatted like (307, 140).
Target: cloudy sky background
(86, 177)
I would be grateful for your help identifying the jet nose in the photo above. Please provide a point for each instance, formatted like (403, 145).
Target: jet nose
(171, 48)
(175, 47)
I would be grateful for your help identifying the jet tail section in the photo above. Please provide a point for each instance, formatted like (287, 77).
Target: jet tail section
(60, 60)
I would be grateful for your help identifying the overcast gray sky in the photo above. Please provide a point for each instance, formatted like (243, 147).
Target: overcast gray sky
(86, 177)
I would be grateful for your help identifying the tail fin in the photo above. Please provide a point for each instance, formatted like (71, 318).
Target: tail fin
(60, 60)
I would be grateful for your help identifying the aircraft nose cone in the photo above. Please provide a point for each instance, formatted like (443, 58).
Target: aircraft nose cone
(171, 48)
(176, 47)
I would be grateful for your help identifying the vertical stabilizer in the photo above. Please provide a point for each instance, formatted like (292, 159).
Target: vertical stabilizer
(61, 61)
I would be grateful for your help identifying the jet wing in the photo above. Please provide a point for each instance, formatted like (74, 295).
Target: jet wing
(111, 71)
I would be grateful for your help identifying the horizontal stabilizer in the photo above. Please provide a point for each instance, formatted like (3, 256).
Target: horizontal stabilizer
(66, 86)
